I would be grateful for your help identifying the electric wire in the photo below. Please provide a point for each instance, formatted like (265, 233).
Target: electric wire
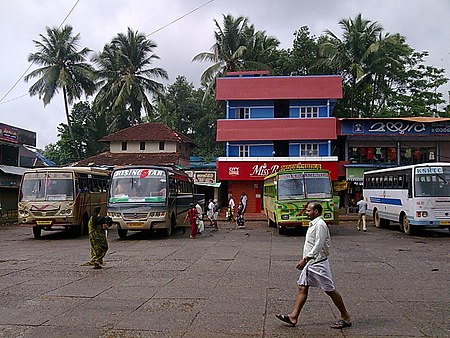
(159, 29)
(31, 64)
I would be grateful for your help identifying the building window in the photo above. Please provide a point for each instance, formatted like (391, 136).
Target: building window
(308, 112)
(124, 146)
(309, 149)
(242, 113)
(161, 145)
(142, 146)
(243, 151)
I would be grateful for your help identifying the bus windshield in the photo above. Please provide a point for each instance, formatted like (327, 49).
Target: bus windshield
(138, 185)
(47, 187)
(432, 182)
(304, 185)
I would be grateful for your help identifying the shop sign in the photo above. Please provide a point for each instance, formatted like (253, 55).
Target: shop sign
(204, 176)
(395, 127)
(8, 134)
(228, 170)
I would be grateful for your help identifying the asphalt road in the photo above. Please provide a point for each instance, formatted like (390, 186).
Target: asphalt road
(229, 283)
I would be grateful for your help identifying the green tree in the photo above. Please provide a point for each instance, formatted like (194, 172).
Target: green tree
(190, 112)
(88, 128)
(63, 67)
(237, 47)
(351, 54)
(126, 76)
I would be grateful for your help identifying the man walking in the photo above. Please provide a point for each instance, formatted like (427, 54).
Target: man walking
(316, 269)
(362, 209)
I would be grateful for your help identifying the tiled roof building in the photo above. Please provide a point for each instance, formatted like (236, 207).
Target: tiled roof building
(143, 144)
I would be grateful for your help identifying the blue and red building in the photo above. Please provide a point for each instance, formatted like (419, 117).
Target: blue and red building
(273, 122)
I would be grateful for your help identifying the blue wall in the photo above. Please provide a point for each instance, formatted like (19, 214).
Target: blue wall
(266, 150)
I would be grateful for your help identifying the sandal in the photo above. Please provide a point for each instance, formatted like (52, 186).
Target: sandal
(340, 324)
(286, 319)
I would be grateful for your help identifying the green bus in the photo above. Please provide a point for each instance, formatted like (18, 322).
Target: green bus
(287, 193)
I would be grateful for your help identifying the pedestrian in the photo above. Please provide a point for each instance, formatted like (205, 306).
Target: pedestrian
(243, 200)
(192, 216)
(315, 269)
(240, 222)
(215, 215)
(230, 212)
(199, 221)
(98, 243)
(210, 212)
(362, 210)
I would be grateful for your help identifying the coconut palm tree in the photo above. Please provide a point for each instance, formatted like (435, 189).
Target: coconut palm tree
(237, 47)
(350, 55)
(63, 67)
(126, 76)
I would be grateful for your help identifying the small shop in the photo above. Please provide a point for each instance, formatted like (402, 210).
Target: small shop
(247, 175)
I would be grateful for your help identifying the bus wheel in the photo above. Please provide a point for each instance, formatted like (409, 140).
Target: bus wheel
(271, 223)
(377, 219)
(172, 225)
(406, 226)
(122, 233)
(379, 222)
(37, 232)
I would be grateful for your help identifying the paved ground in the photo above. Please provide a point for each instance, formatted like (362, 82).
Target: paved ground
(228, 283)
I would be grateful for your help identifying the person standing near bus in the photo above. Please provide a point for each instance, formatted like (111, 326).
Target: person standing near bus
(192, 216)
(316, 269)
(230, 212)
(243, 201)
(97, 238)
(362, 210)
(210, 211)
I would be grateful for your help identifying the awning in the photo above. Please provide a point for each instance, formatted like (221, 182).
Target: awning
(9, 169)
(215, 185)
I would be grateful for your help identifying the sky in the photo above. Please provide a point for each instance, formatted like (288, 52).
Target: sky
(423, 23)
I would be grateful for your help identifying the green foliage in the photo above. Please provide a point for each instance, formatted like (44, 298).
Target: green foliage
(238, 47)
(126, 77)
(63, 67)
(190, 112)
(88, 128)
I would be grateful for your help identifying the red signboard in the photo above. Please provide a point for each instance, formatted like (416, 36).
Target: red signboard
(257, 170)
(8, 133)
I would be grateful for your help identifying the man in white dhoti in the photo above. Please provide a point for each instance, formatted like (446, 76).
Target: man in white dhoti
(316, 269)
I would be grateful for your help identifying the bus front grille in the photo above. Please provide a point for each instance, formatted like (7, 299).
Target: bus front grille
(134, 216)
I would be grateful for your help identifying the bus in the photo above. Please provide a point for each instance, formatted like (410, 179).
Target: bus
(287, 193)
(149, 198)
(415, 196)
(61, 198)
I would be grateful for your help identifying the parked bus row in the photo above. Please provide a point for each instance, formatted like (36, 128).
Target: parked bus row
(136, 198)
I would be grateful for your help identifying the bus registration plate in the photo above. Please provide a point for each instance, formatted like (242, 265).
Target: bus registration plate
(43, 222)
(444, 222)
(135, 224)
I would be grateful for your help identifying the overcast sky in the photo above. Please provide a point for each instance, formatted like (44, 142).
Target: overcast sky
(423, 23)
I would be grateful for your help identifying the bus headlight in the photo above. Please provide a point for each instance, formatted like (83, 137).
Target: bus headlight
(158, 214)
(65, 212)
(24, 213)
(284, 217)
(327, 215)
(113, 214)
(421, 214)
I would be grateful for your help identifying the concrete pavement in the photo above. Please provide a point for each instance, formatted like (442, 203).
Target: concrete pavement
(228, 283)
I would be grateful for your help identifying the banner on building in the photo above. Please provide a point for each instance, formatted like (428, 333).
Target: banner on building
(257, 170)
